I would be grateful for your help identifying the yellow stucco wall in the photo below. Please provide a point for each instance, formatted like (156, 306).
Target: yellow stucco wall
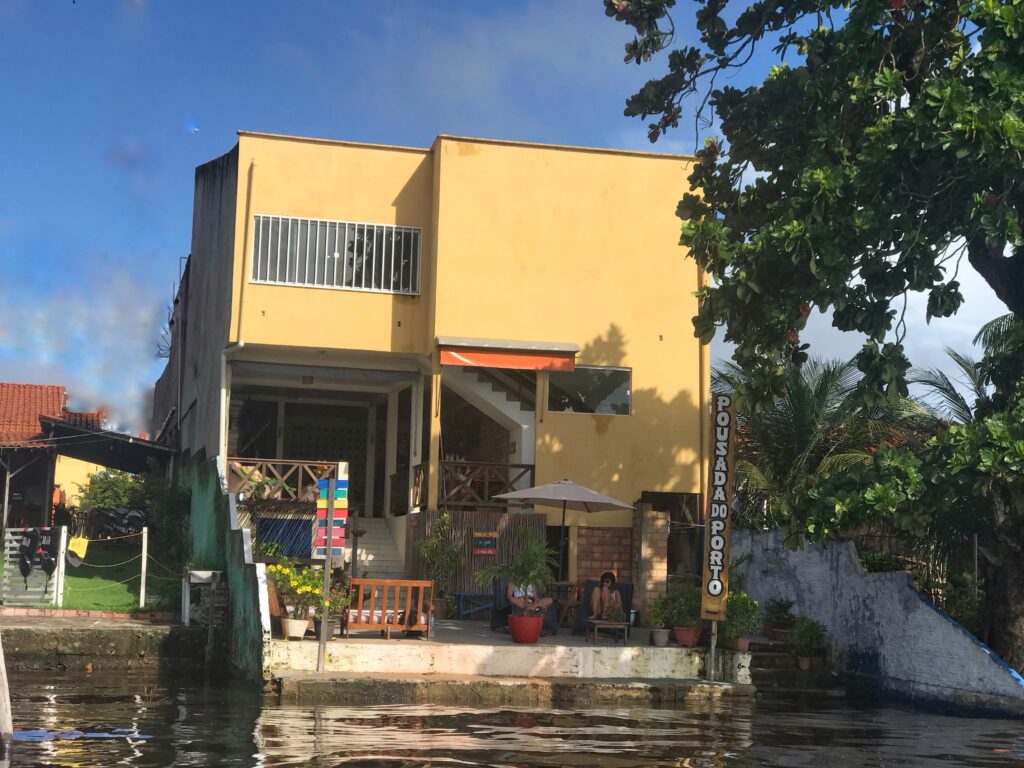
(335, 181)
(570, 245)
(520, 241)
(71, 473)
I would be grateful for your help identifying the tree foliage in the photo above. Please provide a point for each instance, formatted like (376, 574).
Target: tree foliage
(111, 488)
(967, 480)
(817, 427)
(886, 149)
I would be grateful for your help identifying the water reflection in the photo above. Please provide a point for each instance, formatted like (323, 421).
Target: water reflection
(436, 735)
(194, 725)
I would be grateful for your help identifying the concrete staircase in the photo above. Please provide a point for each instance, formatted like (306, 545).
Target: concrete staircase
(377, 556)
(774, 669)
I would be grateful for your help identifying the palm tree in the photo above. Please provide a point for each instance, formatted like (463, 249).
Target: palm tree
(945, 397)
(815, 428)
(1000, 334)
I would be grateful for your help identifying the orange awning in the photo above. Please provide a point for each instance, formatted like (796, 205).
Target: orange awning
(500, 353)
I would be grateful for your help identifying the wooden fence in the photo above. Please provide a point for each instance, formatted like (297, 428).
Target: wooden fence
(510, 527)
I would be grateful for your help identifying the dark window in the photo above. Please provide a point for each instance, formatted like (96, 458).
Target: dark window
(590, 389)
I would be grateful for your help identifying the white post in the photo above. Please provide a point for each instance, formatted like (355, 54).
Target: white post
(62, 553)
(6, 724)
(371, 456)
(145, 557)
(391, 449)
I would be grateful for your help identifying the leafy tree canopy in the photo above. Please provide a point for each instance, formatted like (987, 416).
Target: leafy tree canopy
(887, 153)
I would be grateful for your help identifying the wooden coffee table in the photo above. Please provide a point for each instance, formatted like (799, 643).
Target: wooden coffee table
(596, 625)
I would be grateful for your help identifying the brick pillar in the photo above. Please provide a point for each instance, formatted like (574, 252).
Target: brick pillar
(650, 548)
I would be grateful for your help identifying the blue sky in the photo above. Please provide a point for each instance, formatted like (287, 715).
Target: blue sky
(109, 106)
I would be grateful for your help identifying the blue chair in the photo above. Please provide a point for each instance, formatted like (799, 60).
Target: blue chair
(579, 624)
(503, 608)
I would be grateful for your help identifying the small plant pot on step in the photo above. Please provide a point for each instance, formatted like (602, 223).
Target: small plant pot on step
(525, 629)
(659, 637)
(686, 637)
(294, 629)
(737, 644)
(331, 626)
(779, 635)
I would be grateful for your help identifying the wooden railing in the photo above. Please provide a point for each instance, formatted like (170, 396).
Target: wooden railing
(277, 478)
(400, 489)
(475, 483)
(390, 604)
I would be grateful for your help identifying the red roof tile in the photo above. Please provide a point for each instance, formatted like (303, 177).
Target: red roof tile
(85, 419)
(21, 405)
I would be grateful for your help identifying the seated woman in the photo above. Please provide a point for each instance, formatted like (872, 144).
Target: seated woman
(523, 596)
(604, 595)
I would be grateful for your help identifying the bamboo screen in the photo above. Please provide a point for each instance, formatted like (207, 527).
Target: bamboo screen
(511, 528)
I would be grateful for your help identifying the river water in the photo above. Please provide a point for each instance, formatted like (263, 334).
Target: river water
(136, 719)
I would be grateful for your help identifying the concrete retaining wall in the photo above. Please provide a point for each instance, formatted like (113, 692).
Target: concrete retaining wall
(880, 626)
(506, 660)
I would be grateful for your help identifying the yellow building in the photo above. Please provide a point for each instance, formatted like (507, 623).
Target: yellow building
(454, 322)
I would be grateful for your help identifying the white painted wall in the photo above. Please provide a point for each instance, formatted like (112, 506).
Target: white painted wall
(880, 625)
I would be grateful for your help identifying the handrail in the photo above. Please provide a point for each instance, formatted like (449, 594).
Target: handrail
(476, 483)
(278, 478)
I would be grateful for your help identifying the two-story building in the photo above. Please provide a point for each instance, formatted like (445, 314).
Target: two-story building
(453, 322)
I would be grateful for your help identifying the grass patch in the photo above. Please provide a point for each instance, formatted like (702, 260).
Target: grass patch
(108, 580)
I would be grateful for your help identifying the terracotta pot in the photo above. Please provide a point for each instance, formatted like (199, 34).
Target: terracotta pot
(804, 662)
(737, 644)
(295, 628)
(778, 635)
(686, 637)
(659, 637)
(525, 629)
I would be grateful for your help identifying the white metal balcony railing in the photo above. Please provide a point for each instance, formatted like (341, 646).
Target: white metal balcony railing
(383, 258)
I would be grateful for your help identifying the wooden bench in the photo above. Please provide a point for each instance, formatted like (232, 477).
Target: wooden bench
(387, 605)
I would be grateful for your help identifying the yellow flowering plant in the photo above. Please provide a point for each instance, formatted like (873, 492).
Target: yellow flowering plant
(301, 588)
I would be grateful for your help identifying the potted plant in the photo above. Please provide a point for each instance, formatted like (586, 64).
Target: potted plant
(336, 605)
(442, 558)
(683, 616)
(778, 619)
(806, 638)
(657, 615)
(742, 618)
(298, 588)
(532, 564)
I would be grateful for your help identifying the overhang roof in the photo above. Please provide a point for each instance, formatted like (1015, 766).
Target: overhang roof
(99, 446)
(510, 345)
(21, 405)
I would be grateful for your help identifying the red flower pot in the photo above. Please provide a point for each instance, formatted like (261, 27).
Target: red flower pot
(525, 629)
(687, 637)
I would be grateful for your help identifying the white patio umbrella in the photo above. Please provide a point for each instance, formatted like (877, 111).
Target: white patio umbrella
(571, 496)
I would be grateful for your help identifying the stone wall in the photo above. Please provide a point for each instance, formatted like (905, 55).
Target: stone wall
(880, 626)
(604, 549)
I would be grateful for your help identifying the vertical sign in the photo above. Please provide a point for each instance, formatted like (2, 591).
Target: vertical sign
(718, 520)
(339, 515)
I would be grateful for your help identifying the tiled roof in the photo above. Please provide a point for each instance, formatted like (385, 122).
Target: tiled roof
(85, 419)
(21, 405)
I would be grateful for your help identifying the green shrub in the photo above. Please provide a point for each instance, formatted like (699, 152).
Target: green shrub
(614, 612)
(742, 616)
(806, 637)
(676, 608)
(777, 613)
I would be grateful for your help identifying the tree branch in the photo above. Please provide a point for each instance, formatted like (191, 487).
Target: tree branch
(1004, 274)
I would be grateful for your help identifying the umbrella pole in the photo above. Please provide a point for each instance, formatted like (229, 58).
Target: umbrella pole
(561, 549)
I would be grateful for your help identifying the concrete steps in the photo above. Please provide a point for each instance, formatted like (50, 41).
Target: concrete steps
(775, 669)
(378, 556)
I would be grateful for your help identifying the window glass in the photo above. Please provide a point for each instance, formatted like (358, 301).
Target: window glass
(591, 389)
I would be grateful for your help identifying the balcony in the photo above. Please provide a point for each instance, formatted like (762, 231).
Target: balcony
(475, 483)
(277, 479)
